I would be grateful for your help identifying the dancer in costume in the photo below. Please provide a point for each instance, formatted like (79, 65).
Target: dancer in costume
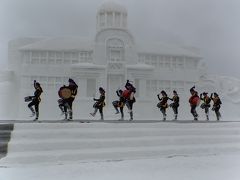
(119, 103)
(99, 104)
(163, 105)
(35, 100)
(194, 101)
(206, 103)
(216, 105)
(175, 104)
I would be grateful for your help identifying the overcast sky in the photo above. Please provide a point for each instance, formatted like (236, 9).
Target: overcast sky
(211, 25)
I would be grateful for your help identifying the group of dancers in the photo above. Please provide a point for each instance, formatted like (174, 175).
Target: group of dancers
(194, 101)
(126, 97)
(68, 93)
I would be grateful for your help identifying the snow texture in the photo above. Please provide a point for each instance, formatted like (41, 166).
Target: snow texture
(169, 151)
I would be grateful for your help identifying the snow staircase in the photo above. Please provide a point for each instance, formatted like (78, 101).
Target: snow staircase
(59, 143)
(5, 134)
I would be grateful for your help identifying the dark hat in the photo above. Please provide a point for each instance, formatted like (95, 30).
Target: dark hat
(101, 89)
(174, 91)
(192, 89)
(163, 92)
(70, 80)
(37, 84)
(205, 93)
(215, 94)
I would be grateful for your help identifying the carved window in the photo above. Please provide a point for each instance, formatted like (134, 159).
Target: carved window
(109, 19)
(118, 19)
(102, 19)
(115, 53)
(26, 57)
(85, 56)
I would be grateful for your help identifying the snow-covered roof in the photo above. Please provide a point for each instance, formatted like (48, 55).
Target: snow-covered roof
(164, 49)
(61, 44)
(140, 66)
(87, 65)
(85, 44)
(111, 6)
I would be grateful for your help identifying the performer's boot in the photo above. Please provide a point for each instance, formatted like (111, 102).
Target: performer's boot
(94, 113)
(37, 115)
(196, 118)
(33, 112)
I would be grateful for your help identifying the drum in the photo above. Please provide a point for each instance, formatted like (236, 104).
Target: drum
(126, 94)
(60, 101)
(203, 105)
(195, 101)
(28, 98)
(65, 92)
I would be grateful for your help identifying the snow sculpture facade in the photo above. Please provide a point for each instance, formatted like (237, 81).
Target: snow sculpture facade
(108, 60)
(7, 95)
(227, 87)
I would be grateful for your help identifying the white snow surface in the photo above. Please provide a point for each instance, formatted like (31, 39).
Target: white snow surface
(168, 151)
(223, 167)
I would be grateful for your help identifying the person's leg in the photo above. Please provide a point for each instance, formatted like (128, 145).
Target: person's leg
(66, 109)
(122, 114)
(175, 110)
(61, 106)
(115, 105)
(94, 112)
(128, 105)
(207, 112)
(218, 115)
(131, 116)
(30, 106)
(37, 110)
(194, 112)
(95, 106)
(131, 110)
(163, 110)
(70, 102)
(101, 112)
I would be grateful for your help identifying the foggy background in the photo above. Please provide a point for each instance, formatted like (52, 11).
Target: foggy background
(211, 25)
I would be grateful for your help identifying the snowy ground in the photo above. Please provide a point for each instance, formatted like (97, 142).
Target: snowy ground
(221, 167)
(114, 151)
